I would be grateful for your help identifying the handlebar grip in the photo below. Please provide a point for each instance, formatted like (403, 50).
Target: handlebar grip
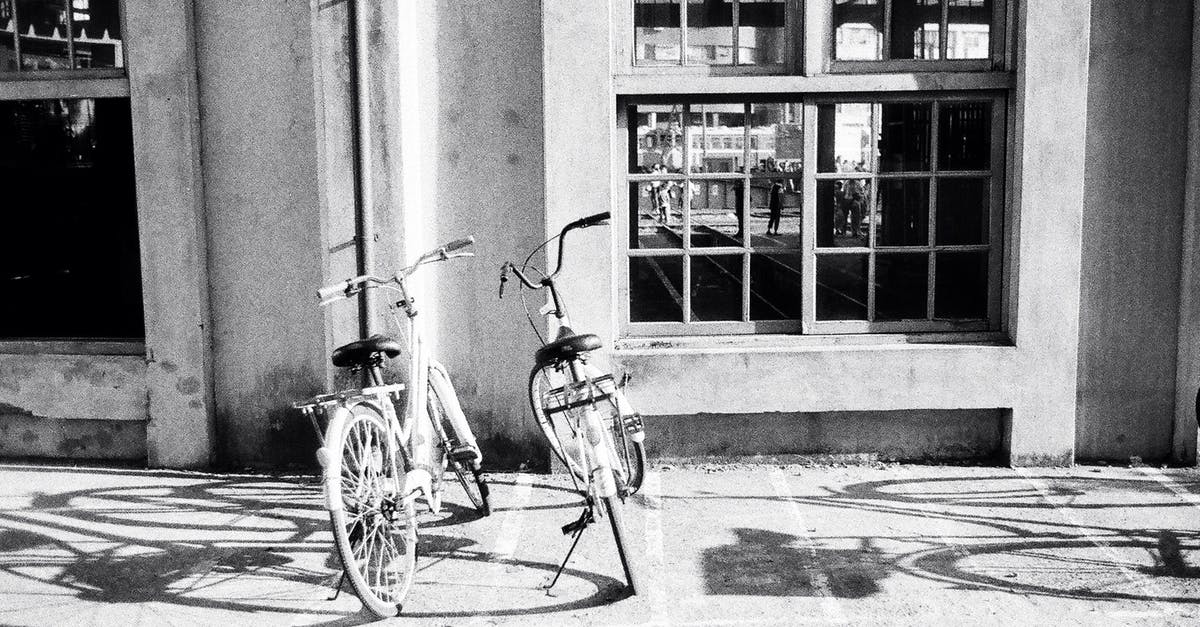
(593, 220)
(459, 243)
(329, 291)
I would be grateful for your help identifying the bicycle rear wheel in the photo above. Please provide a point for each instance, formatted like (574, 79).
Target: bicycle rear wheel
(374, 526)
(468, 472)
(630, 454)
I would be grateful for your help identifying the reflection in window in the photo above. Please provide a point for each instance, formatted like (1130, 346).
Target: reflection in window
(776, 287)
(965, 135)
(962, 211)
(969, 29)
(655, 289)
(658, 139)
(716, 288)
(915, 27)
(844, 137)
(904, 137)
(43, 35)
(842, 217)
(656, 33)
(842, 287)
(901, 287)
(719, 32)
(961, 291)
(68, 168)
(717, 213)
(903, 218)
(858, 30)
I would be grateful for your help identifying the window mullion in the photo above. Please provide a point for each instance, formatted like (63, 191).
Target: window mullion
(683, 32)
(808, 220)
(944, 30)
(887, 31)
(70, 15)
(934, 142)
(16, 22)
(737, 50)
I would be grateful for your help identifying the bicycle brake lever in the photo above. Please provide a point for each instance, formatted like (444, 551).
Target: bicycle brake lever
(503, 278)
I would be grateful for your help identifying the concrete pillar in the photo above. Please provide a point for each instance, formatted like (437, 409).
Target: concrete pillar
(160, 45)
(1187, 378)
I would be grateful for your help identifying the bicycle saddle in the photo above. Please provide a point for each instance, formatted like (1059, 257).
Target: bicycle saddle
(359, 353)
(567, 347)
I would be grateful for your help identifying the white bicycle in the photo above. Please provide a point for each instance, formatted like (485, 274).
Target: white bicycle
(382, 449)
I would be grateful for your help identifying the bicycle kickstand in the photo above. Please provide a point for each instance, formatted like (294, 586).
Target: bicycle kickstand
(338, 588)
(576, 528)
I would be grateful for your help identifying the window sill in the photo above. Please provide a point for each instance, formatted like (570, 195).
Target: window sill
(73, 347)
(789, 343)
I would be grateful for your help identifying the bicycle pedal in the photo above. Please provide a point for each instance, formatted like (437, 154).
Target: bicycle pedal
(464, 453)
(579, 524)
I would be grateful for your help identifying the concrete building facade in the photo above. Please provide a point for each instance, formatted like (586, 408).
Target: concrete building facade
(277, 149)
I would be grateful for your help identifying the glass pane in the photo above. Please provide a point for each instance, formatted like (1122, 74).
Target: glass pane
(656, 138)
(970, 29)
(716, 288)
(67, 167)
(710, 32)
(961, 288)
(844, 141)
(656, 289)
(717, 133)
(904, 137)
(901, 286)
(858, 34)
(964, 135)
(841, 287)
(903, 218)
(656, 32)
(716, 212)
(777, 137)
(775, 287)
(8, 51)
(915, 26)
(761, 32)
(651, 203)
(97, 34)
(842, 212)
(962, 211)
(42, 27)
(775, 213)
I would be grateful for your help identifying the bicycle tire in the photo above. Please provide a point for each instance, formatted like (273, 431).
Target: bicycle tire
(540, 383)
(631, 454)
(468, 475)
(614, 508)
(364, 518)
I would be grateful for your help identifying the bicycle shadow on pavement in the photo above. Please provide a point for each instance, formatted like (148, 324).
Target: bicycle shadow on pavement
(769, 563)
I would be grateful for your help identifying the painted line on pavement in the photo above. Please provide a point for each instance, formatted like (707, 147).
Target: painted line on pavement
(514, 520)
(1142, 582)
(1172, 485)
(652, 496)
(830, 606)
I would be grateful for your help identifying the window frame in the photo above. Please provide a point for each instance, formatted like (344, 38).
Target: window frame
(98, 74)
(997, 46)
(625, 55)
(72, 84)
(807, 324)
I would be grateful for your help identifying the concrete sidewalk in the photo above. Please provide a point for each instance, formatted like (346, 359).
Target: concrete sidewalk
(882, 544)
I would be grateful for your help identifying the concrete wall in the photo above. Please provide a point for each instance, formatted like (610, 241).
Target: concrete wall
(264, 226)
(1136, 154)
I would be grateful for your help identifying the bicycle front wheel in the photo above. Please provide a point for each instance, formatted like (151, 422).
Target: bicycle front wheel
(614, 507)
(374, 526)
(468, 473)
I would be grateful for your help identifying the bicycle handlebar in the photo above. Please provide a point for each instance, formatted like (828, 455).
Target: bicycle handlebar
(347, 288)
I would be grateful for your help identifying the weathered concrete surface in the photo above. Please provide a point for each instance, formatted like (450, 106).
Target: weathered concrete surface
(890, 435)
(74, 387)
(884, 544)
(27, 436)
(1136, 158)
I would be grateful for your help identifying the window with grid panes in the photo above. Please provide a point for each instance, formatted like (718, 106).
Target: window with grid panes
(758, 34)
(857, 212)
(71, 268)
